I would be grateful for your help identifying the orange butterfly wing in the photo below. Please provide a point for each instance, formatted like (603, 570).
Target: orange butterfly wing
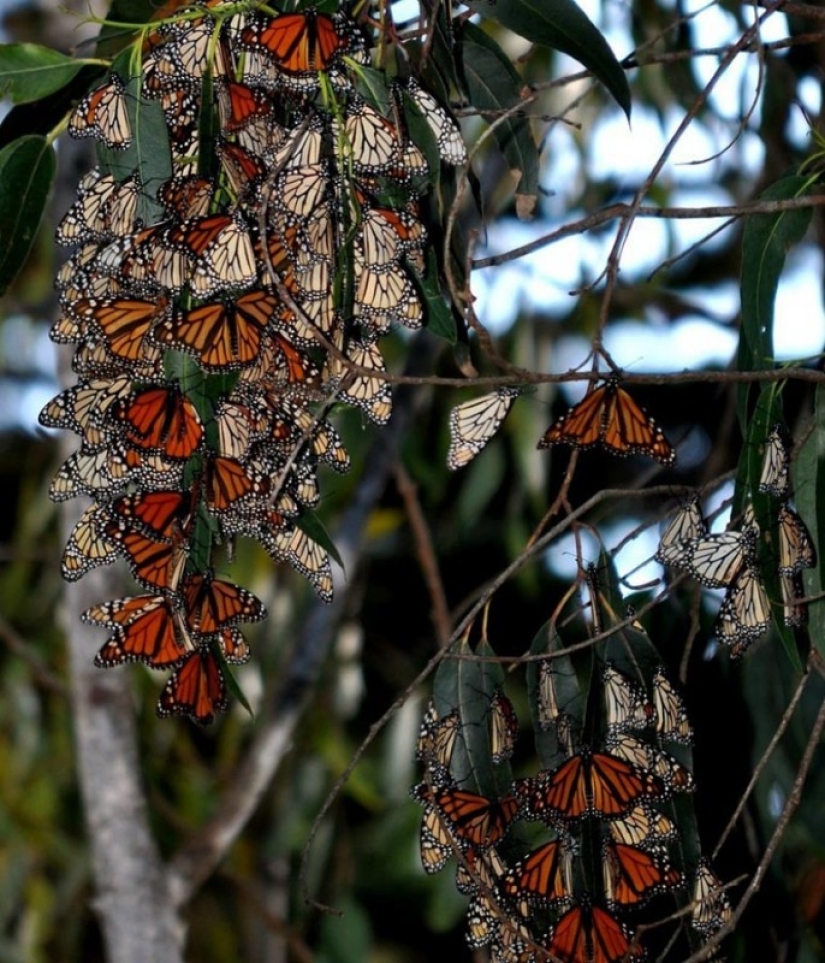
(610, 417)
(196, 689)
(301, 42)
(563, 790)
(631, 875)
(589, 934)
(163, 420)
(150, 636)
(616, 785)
(581, 426)
(539, 876)
(630, 430)
(476, 819)
(212, 604)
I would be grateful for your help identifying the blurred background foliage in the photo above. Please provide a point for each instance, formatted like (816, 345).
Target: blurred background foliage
(364, 859)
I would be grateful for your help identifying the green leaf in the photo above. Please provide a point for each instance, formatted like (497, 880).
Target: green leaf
(494, 86)
(562, 25)
(807, 468)
(30, 72)
(27, 169)
(440, 321)
(766, 240)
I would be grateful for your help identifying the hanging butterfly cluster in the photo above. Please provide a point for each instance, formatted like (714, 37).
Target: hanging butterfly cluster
(218, 311)
(603, 801)
(729, 559)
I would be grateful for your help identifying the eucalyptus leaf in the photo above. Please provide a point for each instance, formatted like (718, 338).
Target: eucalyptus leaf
(561, 25)
(27, 169)
(495, 87)
(29, 72)
(766, 240)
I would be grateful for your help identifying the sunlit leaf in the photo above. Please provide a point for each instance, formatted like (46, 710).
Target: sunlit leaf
(30, 72)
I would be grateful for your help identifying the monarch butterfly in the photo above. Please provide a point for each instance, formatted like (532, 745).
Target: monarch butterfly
(213, 604)
(711, 904)
(794, 609)
(85, 220)
(643, 826)
(481, 921)
(589, 934)
(796, 551)
(146, 628)
(473, 423)
(87, 546)
(503, 727)
(445, 130)
(238, 104)
(83, 408)
(300, 43)
(124, 322)
(611, 418)
(631, 875)
(234, 646)
(379, 294)
(187, 197)
(303, 189)
(120, 209)
(775, 478)
(196, 689)
(227, 480)
(627, 706)
(187, 51)
(514, 943)
(479, 871)
(436, 741)
(307, 557)
(685, 527)
(547, 695)
(471, 818)
(91, 473)
(672, 723)
(372, 394)
(588, 783)
(223, 336)
(243, 171)
(674, 775)
(162, 420)
(745, 612)
(435, 842)
(156, 563)
(103, 114)
(160, 514)
(716, 560)
(370, 141)
(228, 261)
(545, 875)
(234, 423)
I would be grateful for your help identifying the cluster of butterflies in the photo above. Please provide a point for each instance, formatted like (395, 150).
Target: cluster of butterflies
(608, 418)
(729, 559)
(218, 312)
(546, 903)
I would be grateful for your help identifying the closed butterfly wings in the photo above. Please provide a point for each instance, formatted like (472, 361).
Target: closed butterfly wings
(473, 423)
